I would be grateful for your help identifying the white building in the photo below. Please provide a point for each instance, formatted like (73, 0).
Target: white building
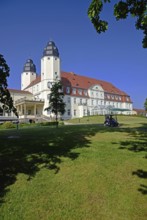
(83, 95)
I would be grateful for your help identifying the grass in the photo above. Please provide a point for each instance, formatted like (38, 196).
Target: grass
(84, 172)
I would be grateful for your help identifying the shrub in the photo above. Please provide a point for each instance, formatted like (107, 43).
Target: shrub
(49, 123)
(8, 125)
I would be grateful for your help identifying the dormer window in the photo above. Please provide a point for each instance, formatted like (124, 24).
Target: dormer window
(80, 91)
(74, 91)
(68, 90)
(85, 92)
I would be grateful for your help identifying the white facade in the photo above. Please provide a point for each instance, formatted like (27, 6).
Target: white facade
(83, 96)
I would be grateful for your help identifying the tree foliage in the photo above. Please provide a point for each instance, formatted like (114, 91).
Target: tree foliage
(6, 100)
(145, 104)
(56, 103)
(136, 8)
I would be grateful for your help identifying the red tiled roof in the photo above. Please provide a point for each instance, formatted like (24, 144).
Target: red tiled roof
(77, 81)
(73, 80)
(83, 82)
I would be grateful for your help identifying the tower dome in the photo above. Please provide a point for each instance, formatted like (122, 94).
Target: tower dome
(51, 49)
(29, 66)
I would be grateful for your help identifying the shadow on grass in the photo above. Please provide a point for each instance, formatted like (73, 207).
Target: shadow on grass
(141, 174)
(28, 150)
(137, 144)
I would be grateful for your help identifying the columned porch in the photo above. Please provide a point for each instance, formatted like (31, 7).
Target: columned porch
(29, 108)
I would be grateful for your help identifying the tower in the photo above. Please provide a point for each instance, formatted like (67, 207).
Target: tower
(28, 74)
(50, 64)
(50, 70)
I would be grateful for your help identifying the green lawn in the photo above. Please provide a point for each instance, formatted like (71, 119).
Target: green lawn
(86, 172)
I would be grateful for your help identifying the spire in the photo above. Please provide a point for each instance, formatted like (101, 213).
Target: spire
(51, 49)
(29, 66)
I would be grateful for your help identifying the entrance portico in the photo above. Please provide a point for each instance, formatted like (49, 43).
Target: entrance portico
(29, 108)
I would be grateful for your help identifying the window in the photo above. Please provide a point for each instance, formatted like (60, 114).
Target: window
(74, 100)
(80, 91)
(74, 91)
(26, 73)
(92, 102)
(74, 112)
(68, 112)
(68, 99)
(67, 89)
(27, 68)
(85, 92)
(48, 52)
(80, 101)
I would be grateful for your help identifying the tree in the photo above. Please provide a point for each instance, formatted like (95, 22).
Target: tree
(56, 104)
(145, 104)
(6, 100)
(136, 8)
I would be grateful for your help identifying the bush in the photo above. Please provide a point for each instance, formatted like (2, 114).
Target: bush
(49, 123)
(8, 125)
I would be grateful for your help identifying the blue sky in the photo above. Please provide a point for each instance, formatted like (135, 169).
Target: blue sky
(116, 56)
